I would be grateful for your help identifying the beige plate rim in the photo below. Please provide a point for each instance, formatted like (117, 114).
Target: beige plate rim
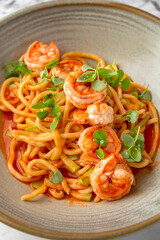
(50, 234)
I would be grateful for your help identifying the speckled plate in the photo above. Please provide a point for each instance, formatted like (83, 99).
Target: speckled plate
(118, 33)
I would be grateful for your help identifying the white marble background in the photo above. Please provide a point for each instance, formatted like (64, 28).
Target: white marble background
(10, 6)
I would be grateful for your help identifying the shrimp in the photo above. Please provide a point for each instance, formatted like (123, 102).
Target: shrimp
(39, 54)
(88, 145)
(12, 94)
(65, 67)
(112, 178)
(95, 114)
(80, 94)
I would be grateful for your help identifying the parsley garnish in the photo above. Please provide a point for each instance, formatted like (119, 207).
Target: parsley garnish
(134, 146)
(146, 95)
(52, 63)
(100, 137)
(111, 77)
(14, 69)
(48, 102)
(132, 116)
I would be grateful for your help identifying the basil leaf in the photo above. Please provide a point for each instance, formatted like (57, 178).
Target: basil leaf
(24, 70)
(99, 152)
(11, 66)
(55, 123)
(98, 85)
(127, 140)
(88, 76)
(135, 154)
(86, 67)
(147, 96)
(132, 116)
(125, 84)
(12, 74)
(59, 115)
(54, 110)
(44, 74)
(49, 103)
(56, 81)
(100, 137)
(39, 105)
(106, 73)
(14, 69)
(49, 95)
(56, 178)
(52, 63)
(42, 115)
(74, 157)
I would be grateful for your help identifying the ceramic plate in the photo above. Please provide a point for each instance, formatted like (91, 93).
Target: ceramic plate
(115, 32)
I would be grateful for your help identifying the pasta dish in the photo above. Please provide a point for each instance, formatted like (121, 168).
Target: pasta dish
(71, 129)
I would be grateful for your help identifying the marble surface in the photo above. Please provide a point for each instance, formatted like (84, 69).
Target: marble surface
(10, 6)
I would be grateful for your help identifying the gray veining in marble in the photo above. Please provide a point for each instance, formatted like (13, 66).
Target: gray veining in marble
(10, 6)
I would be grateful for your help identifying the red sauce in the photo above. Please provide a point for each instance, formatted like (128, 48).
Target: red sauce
(7, 119)
(149, 137)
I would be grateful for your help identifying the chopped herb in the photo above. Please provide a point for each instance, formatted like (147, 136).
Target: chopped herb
(56, 178)
(54, 110)
(44, 75)
(47, 96)
(110, 76)
(88, 76)
(134, 146)
(132, 133)
(99, 85)
(125, 84)
(106, 73)
(49, 103)
(144, 95)
(52, 63)
(132, 116)
(74, 157)
(99, 152)
(14, 69)
(55, 123)
(42, 115)
(86, 67)
(56, 81)
(52, 89)
(100, 137)
(39, 105)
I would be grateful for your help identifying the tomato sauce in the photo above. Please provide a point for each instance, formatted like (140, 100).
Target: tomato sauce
(149, 137)
(7, 119)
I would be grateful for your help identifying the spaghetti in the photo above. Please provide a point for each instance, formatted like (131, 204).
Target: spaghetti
(76, 130)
